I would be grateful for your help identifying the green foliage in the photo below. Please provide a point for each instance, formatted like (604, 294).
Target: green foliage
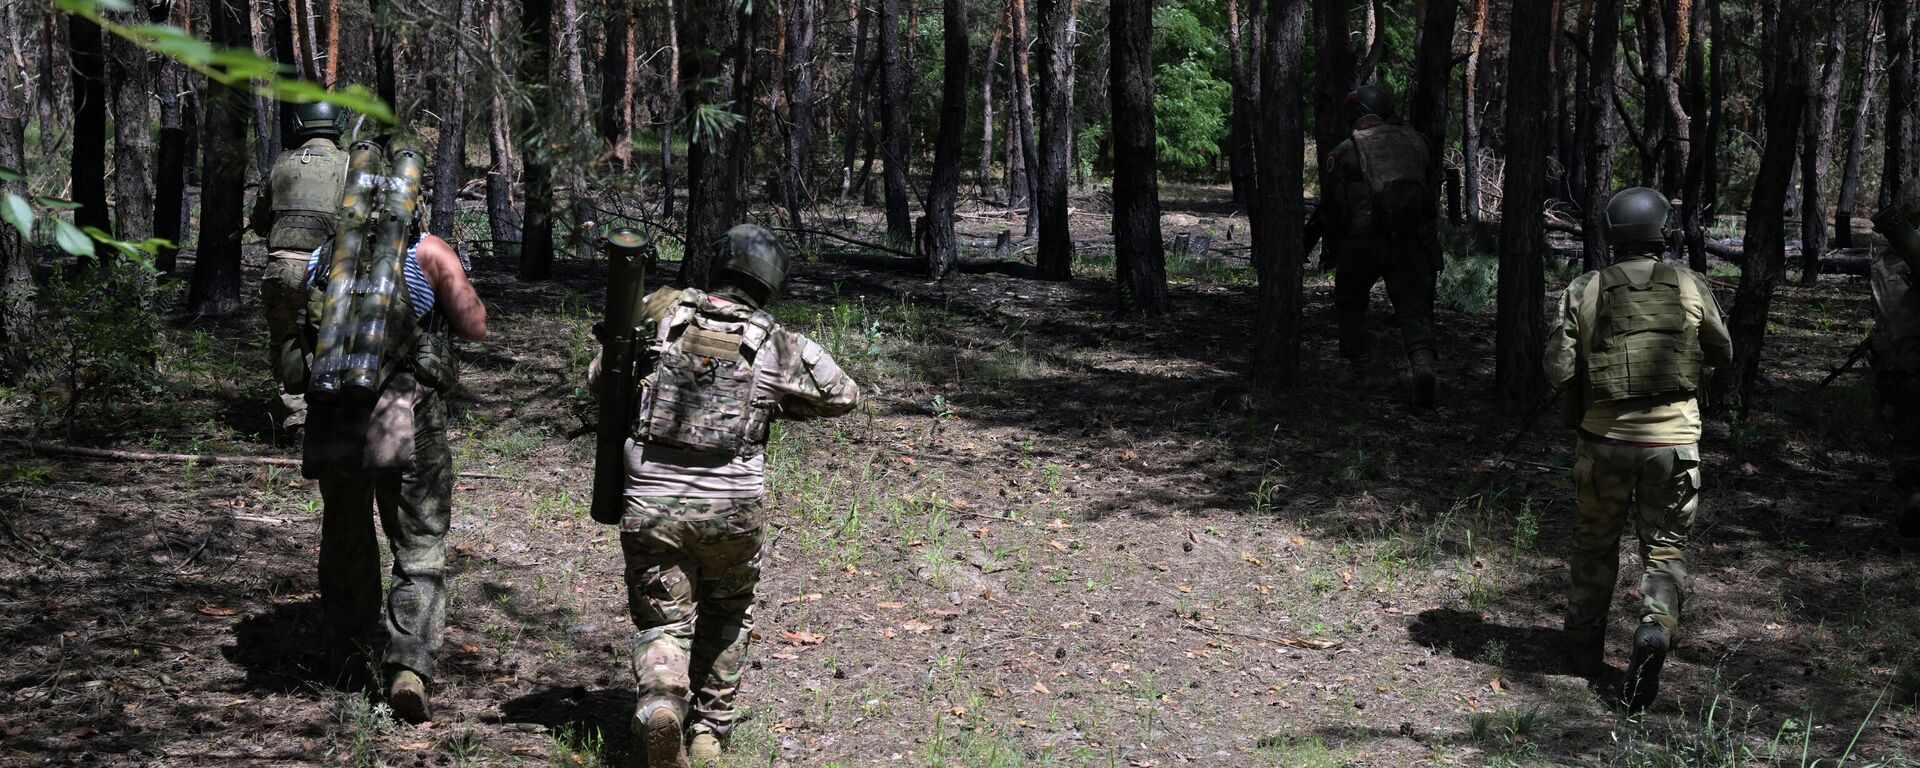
(1192, 99)
(1469, 284)
(98, 331)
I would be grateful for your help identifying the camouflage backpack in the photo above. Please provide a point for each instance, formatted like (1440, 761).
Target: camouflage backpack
(1393, 167)
(700, 397)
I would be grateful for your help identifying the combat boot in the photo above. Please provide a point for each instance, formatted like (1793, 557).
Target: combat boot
(705, 749)
(657, 724)
(1421, 362)
(1910, 519)
(1643, 672)
(407, 695)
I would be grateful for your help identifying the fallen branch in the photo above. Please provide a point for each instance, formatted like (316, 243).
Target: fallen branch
(849, 240)
(109, 454)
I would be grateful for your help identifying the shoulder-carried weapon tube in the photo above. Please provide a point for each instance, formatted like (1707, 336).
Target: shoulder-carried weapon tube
(373, 295)
(364, 173)
(620, 345)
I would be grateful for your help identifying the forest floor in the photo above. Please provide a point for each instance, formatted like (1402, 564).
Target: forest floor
(1050, 537)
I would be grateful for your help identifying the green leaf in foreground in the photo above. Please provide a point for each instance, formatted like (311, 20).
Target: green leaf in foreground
(15, 211)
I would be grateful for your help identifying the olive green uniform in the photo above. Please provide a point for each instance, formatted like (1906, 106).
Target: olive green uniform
(1629, 344)
(693, 530)
(1379, 246)
(295, 211)
(1895, 347)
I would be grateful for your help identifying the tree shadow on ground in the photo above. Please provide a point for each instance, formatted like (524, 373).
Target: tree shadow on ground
(285, 650)
(576, 713)
(1468, 635)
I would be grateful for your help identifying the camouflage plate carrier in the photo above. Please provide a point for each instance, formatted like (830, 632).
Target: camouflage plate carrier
(306, 197)
(1391, 189)
(1645, 346)
(701, 395)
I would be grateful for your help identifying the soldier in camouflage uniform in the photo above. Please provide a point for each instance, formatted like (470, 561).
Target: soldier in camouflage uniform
(393, 458)
(1379, 192)
(1895, 346)
(1629, 345)
(295, 211)
(721, 371)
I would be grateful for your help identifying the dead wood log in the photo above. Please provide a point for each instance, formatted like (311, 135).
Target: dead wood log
(110, 454)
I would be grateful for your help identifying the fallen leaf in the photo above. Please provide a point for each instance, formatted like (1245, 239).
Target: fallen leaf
(916, 626)
(1040, 687)
(783, 656)
(890, 606)
(1310, 643)
(802, 637)
(1057, 545)
(1184, 589)
(784, 725)
(413, 746)
(1496, 686)
(809, 597)
(908, 460)
(15, 730)
(1128, 455)
(1059, 524)
(958, 711)
(469, 648)
(1253, 560)
(215, 610)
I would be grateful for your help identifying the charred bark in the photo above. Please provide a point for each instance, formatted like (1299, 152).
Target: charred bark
(893, 123)
(1822, 111)
(1334, 71)
(132, 138)
(1849, 193)
(214, 289)
(536, 175)
(1139, 259)
(1596, 131)
(1054, 260)
(941, 249)
(707, 35)
(1518, 378)
(1278, 223)
(1897, 17)
(88, 164)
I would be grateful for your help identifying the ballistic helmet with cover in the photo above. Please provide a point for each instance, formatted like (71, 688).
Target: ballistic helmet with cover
(314, 120)
(753, 260)
(1637, 216)
(1370, 100)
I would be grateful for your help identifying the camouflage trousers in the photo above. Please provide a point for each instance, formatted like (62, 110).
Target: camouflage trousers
(1659, 489)
(1898, 398)
(692, 566)
(414, 507)
(283, 293)
(1410, 287)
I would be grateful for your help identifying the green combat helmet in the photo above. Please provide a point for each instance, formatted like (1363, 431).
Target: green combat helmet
(754, 261)
(316, 120)
(1370, 100)
(1637, 216)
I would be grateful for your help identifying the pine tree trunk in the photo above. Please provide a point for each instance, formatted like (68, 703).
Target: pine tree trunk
(986, 108)
(89, 156)
(1596, 132)
(706, 35)
(170, 167)
(132, 137)
(1897, 17)
(1054, 260)
(1023, 173)
(1240, 163)
(47, 96)
(673, 105)
(1849, 193)
(1433, 67)
(16, 252)
(536, 66)
(614, 112)
(1331, 125)
(859, 124)
(1139, 261)
(1823, 108)
(450, 156)
(1278, 221)
(1716, 113)
(214, 289)
(941, 249)
(1470, 115)
(893, 123)
(266, 140)
(1700, 137)
(1518, 379)
(1784, 96)
(800, 77)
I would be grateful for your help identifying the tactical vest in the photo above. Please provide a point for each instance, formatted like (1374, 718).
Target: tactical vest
(306, 196)
(1390, 192)
(1896, 316)
(1643, 344)
(700, 397)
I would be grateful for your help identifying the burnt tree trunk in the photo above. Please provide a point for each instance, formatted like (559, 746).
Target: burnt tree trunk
(1897, 17)
(1849, 193)
(1595, 133)
(1334, 69)
(170, 167)
(1278, 224)
(132, 138)
(613, 116)
(800, 76)
(893, 123)
(1470, 115)
(1716, 114)
(536, 174)
(450, 155)
(1784, 96)
(707, 30)
(16, 252)
(1240, 163)
(1816, 163)
(1432, 68)
(214, 289)
(89, 156)
(1139, 262)
(986, 108)
(941, 249)
(1023, 164)
(1518, 379)
(1693, 92)
(1054, 260)
(859, 124)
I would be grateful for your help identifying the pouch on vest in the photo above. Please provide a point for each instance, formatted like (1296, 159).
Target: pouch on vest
(306, 197)
(701, 395)
(1393, 164)
(1644, 344)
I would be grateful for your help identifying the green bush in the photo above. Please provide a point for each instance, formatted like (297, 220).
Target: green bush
(98, 331)
(1469, 284)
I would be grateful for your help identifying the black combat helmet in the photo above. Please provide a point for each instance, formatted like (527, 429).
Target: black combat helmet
(315, 120)
(1637, 216)
(1370, 100)
(753, 260)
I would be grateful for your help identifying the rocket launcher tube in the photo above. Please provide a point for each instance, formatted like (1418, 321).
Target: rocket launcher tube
(374, 295)
(621, 342)
(364, 165)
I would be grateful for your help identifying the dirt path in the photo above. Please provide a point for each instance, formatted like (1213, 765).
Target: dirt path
(1052, 538)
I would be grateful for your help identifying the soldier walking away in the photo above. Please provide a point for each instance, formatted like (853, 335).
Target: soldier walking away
(385, 299)
(1380, 194)
(1895, 346)
(295, 211)
(716, 373)
(1630, 343)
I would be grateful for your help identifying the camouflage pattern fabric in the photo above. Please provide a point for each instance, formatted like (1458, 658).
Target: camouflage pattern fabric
(1410, 287)
(1658, 488)
(283, 293)
(414, 507)
(1897, 397)
(692, 566)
